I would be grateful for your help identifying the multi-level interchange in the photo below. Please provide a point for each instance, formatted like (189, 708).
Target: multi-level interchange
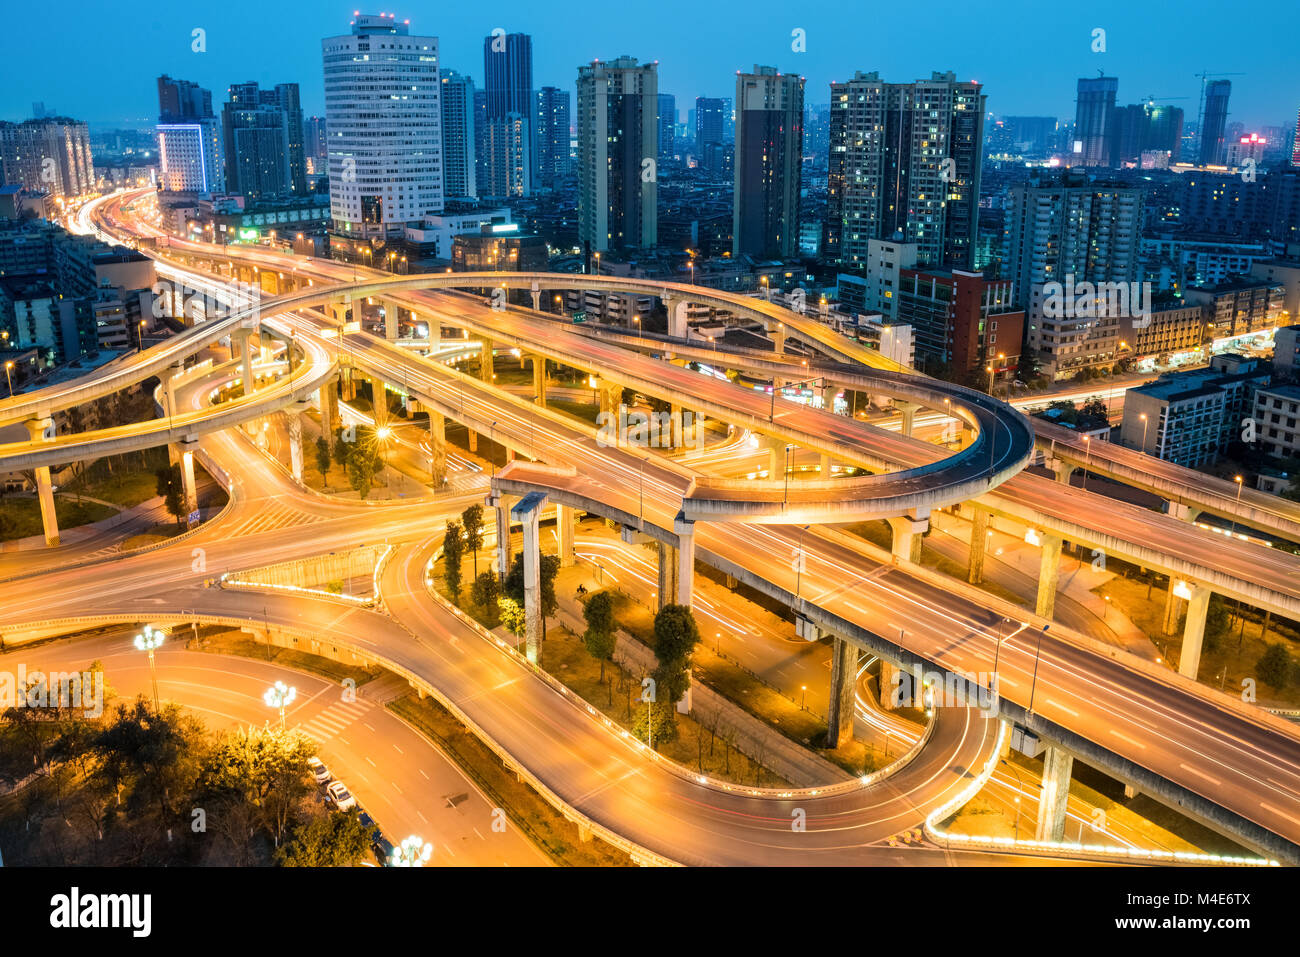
(1230, 765)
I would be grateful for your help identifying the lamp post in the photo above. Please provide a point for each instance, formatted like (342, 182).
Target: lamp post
(1037, 654)
(414, 851)
(148, 640)
(789, 450)
(1238, 480)
(997, 650)
(1087, 458)
(139, 335)
(280, 695)
(8, 378)
(1143, 417)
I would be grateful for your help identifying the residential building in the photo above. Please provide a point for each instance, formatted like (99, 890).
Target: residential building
(511, 109)
(1214, 120)
(768, 160)
(459, 136)
(552, 136)
(190, 146)
(264, 151)
(47, 155)
(1277, 420)
(1238, 307)
(1093, 115)
(667, 127)
(961, 323)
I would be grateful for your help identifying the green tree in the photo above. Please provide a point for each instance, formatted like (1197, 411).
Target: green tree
(265, 768)
(472, 520)
(168, 484)
(548, 568)
(323, 460)
(361, 469)
(599, 636)
(662, 715)
(453, 552)
(512, 615)
(341, 449)
(328, 840)
(1274, 666)
(156, 755)
(676, 635)
(486, 593)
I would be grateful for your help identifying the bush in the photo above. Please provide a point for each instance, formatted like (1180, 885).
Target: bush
(1274, 666)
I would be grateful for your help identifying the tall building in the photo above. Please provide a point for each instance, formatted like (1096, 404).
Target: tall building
(769, 159)
(47, 154)
(1059, 235)
(507, 141)
(1144, 128)
(1212, 130)
(190, 148)
(314, 140)
(708, 122)
(1295, 145)
(384, 114)
(1093, 113)
(264, 151)
(905, 158)
(961, 323)
(618, 105)
(552, 136)
(667, 127)
(459, 137)
(508, 83)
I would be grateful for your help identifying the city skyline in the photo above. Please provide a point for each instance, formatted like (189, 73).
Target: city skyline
(1034, 74)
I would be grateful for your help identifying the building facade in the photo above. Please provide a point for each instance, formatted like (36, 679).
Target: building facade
(49, 155)
(459, 137)
(769, 163)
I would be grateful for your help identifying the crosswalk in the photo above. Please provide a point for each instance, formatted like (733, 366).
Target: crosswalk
(334, 719)
(270, 518)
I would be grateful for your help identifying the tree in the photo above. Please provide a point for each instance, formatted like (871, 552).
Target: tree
(168, 484)
(1274, 666)
(486, 593)
(156, 755)
(676, 635)
(472, 519)
(361, 470)
(512, 615)
(548, 568)
(323, 459)
(599, 636)
(264, 768)
(453, 551)
(341, 449)
(328, 840)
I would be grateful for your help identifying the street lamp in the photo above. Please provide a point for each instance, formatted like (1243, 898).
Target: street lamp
(414, 851)
(997, 651)
(1037, 654)
(139, 335)
(789, 450)
(8, 378)
(280, 695)
(148, 640)
(1087, 458)
(1238, 480)
(1143, 417)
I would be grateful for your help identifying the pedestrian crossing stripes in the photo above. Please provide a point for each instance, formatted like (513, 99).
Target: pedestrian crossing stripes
(333, 719)
(267, 519)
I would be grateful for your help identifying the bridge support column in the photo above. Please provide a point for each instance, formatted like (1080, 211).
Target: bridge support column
(501, 505)
(539, 379)
(191, 496)
(328, 403)
(293, 423)
(907, 531)
(888, 681)
(564, 518)
(778, 338)
(676, 309)
(485, 360)
(527, 511)
(1049, 574)
(42, 430)
(1189, 659)
(611, 398)
(537, 299)
(437, 449)
(979, 538)
(824, 467)
(1064, 472)
(667, 575)
(685, 560)
(472, 440)
(435, 333)
(242, 336)
(908, 410)
(1170, 623)
(844, 676)
(1184, 513)
(1054, 797)
(776, 459)
(392, 319)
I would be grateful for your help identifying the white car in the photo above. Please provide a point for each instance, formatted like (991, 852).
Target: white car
(340, 796)
(318, 770)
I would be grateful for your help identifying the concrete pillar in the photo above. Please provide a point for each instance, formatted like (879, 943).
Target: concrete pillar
(564, 518)
(189, 491)
(435, 332)
(485, 360)
(667, 574)
(473, 440)
(908, 410)
(824, 466)
(979, 537)
(907, 531)
(1064, 472)
(1049, 573)
(42, 430)
(685, 560)
(242, 336)
(392, 317)
(676, 309)
(293, 421)
(1053, 799)
(539, 379)
(611, 397)
(437, 448)
(501, 505)
(778, 339)
(844, 674)
(328, 403)
(1170, 622)
(537, 299)
(888, 682)
(776, 461)
(1189, 659)
(1184, 513)
(527, 511)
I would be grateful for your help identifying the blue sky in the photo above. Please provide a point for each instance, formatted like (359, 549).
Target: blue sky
(1028, 55)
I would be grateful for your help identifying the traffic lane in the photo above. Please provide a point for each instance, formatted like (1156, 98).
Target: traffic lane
(411, 789)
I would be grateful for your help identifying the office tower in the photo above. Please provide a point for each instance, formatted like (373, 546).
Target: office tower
(1214, 121)
(383, 109)
(552, 136)
(51, 155)
(1093, 113)
(1069, 232)
(667, 127)
(264, 142)
(315, 144)
(190, 148)
(618, 104)
(708, 122)
(459, 137)
(904, 158)
(768, 160)
(508, 82)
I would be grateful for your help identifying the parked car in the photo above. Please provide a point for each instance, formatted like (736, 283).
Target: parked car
(340, 796)
(318, 770)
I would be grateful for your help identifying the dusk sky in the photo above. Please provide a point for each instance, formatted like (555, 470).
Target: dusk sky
(1028, 55)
